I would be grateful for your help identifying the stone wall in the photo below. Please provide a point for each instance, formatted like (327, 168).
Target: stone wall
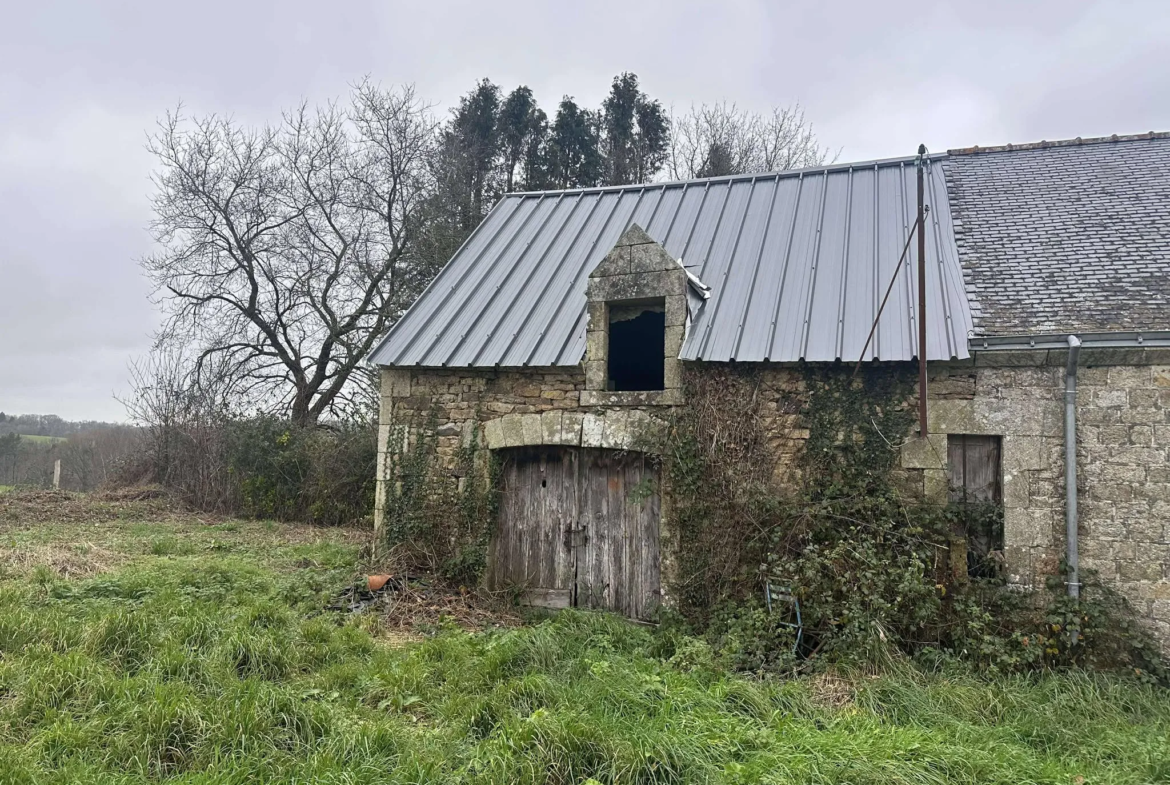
(1123, 463)
(1123, 445)
(513, 408)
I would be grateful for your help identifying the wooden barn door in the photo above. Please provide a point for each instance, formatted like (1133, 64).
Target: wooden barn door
(617, 564)
(538, 505)
(579, 528)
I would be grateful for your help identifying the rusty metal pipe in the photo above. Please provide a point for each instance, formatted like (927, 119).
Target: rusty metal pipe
(919, 164)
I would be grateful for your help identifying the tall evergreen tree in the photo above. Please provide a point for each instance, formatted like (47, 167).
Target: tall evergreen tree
(637, 133)
(522, 129)
(574, 147)
(467, 167)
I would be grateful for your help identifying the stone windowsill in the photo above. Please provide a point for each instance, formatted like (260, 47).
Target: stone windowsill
(671, 397)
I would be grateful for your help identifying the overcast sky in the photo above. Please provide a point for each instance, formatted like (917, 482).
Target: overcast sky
(81, 83)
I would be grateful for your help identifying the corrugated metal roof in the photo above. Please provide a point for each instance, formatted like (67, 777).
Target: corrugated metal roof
(797, 263)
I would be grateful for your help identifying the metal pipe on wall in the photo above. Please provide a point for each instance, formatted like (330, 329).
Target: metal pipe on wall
(1070, 464)
(921, 313)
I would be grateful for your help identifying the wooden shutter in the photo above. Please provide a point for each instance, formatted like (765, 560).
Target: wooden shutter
(974, 465)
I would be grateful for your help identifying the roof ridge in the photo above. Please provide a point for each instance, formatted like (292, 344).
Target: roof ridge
(727, 178)
(1044, 144)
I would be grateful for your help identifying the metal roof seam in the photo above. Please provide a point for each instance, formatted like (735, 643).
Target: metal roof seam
(707, 314)
(443, 301)
(936, 223)
(449, 359)
(839, 344)
(670, 227)
(747, 301)
(715, 233)
(784, 269)
(911, 268)
(654, 212)
(875, 349)
(812, 280)
(691, 234)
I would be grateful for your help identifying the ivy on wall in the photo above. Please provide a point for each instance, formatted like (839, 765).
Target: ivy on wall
(439, 515)
(847, 534)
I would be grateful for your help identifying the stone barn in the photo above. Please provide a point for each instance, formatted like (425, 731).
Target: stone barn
(562, 327)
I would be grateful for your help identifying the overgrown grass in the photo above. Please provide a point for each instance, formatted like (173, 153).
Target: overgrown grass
(197, 667)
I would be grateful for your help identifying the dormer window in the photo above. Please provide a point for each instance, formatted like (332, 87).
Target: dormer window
(637, 342)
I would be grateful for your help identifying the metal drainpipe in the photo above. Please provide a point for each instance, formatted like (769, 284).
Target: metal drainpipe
(1070, 463)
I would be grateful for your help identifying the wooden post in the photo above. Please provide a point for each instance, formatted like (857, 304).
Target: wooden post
(57, 474)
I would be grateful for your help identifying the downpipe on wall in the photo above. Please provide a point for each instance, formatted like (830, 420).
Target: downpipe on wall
(1070, 465)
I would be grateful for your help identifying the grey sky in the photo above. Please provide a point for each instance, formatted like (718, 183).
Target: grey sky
(81, 83)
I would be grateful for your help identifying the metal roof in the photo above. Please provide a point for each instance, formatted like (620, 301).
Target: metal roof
(1065, 236)
(797, 263)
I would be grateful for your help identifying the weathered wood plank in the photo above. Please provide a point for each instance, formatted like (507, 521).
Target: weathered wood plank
(579, 526)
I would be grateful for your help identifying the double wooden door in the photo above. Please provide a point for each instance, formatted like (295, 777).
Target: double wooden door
(578, 527)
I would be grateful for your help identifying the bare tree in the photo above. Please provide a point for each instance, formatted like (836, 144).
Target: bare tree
(720, 139)
(286, 251)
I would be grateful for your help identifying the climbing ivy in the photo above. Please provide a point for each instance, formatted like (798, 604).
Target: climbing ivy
(439, 515)
(842, 531)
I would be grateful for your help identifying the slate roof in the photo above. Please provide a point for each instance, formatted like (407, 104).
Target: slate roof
(797, 263)
(1065, 237)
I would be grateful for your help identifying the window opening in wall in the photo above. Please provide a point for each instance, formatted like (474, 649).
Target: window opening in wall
(637, 345)
(976, 493)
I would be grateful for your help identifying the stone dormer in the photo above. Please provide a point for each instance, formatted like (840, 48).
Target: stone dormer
(637, 300)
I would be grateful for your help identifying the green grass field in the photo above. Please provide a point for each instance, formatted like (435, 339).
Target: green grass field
(142, 647)
(44, 439)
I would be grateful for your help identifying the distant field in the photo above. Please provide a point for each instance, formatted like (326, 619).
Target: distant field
(44, 439)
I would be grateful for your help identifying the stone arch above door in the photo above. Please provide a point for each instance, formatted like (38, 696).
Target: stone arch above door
(617, 430)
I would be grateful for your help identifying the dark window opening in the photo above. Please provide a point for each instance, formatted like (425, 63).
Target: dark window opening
(637, 347)
(976, 495)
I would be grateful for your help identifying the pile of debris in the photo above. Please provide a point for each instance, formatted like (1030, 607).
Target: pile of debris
(423, 604)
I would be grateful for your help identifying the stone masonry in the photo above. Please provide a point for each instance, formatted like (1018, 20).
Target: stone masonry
(1123, 463)
(1123, 445)
(1123, 428)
